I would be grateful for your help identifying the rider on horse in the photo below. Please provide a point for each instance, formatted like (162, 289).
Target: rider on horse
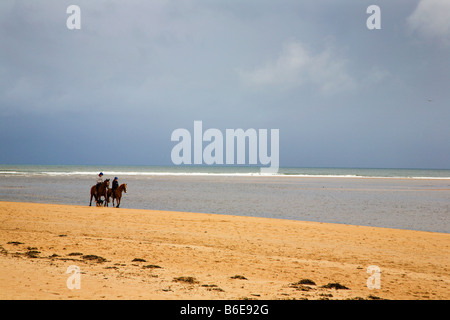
(115, 185)
(99, 180)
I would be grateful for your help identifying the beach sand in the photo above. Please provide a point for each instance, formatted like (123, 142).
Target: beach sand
(144, 254)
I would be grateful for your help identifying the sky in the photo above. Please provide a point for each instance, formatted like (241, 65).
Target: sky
(113, 91)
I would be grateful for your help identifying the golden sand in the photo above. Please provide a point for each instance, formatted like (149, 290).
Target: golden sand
(144, 254)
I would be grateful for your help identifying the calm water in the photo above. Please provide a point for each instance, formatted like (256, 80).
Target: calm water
(394, 198)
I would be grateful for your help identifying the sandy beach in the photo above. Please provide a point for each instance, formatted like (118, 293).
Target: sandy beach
(144, 254)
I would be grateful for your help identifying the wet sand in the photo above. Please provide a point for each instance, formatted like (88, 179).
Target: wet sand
(144, 254)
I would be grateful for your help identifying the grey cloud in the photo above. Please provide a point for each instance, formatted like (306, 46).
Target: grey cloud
(431, 20)
(339, 93)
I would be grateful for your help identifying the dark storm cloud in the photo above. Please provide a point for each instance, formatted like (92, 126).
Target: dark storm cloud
(341, 95)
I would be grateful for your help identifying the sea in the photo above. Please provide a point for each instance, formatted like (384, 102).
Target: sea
(414, 199)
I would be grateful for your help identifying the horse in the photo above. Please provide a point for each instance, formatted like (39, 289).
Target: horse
(118, 194)
(102, 192)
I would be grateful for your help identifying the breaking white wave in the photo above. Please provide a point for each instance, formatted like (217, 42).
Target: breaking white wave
(30, 171)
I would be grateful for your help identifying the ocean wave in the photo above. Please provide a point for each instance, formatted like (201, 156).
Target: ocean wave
(219, 174)
(129, 173)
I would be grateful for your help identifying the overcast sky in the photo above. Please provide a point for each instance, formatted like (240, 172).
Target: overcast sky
(112, 92)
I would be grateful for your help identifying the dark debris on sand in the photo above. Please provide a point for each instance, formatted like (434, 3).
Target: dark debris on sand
(305, 281)
(238, 277)
(190, 280)
(151, 266)
(335, 285)
(92, 257)
(16, 243)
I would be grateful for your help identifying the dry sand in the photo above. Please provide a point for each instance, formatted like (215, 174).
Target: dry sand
(144, 254)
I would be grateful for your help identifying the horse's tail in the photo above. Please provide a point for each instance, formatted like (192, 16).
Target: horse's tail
(90, 201)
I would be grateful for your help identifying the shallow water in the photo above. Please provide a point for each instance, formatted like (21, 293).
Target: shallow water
(417, 204)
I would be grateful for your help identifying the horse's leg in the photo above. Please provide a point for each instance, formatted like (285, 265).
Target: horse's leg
(102, 204)
(118, 202)
(107, 198)
(105, 195)
(97, 198)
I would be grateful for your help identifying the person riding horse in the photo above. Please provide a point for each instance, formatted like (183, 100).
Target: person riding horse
(98, 191)
(115, 185)
(99, 181)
